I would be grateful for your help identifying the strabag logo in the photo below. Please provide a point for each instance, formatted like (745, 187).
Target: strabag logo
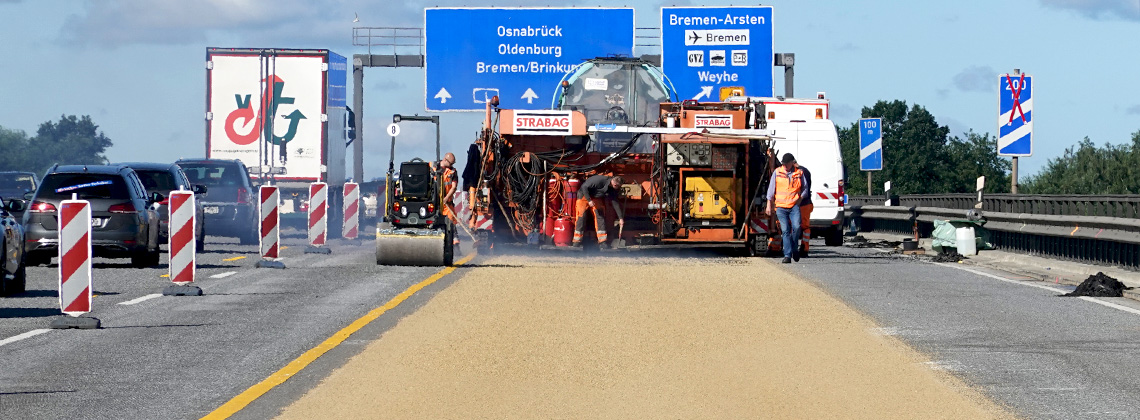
(551, 123)
(712, 121)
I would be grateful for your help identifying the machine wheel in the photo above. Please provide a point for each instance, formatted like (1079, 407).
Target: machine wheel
(448, 247)
(834, 237)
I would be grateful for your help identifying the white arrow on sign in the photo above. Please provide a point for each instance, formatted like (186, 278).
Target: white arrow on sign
(443, 96)
(530, 96)
(706, 91)
(393, 129)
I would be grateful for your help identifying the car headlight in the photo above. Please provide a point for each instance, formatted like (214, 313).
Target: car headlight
(423, 212)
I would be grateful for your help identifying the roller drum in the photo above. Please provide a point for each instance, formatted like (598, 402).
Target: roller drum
(412, 249)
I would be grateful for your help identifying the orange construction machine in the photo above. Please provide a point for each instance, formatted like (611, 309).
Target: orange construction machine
(694, 174)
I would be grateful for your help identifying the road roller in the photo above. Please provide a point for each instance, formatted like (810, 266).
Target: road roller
(414, 231)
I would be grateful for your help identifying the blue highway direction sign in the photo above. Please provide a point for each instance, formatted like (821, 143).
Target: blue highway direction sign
(706, 48)
(519, 55)
(871, 144)
(1015, 115)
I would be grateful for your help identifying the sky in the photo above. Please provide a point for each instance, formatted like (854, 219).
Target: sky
(137, 67)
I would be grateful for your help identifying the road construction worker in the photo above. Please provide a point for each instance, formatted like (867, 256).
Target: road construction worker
(450, 186)
(592, 196)
(785, 191)
(806, 207)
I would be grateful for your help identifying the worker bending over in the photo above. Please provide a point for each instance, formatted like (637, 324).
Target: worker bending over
(591, 197)
(785, 190)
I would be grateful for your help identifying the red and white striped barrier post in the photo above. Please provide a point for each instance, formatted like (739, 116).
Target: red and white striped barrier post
(75, 265)
(183, 256)
(318, 218)
(268, 199)
(351, 230)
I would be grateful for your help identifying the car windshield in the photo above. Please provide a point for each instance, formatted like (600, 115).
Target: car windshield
(84, 186)
(211, 174)
(157, 181)
(17, 182)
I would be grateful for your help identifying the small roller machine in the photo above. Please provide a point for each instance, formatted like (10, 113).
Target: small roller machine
(415, 232)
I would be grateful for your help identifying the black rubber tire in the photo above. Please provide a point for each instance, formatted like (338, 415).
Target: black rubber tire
(834, 237)
(37, 259)
(200, 244)
(448, 247)
(20, 283)
(250, 238)
(145, 259)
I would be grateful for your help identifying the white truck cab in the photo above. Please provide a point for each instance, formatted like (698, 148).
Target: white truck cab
(802, 127)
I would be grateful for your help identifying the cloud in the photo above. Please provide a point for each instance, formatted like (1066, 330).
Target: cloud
(1133, 110)
(976, 79)
(1099, 9)
(292, 23)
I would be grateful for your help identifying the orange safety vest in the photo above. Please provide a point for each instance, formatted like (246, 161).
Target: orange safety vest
(450, 181)
(789, 186)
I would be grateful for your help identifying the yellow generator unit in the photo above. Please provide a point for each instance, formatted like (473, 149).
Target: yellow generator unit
(712, 198)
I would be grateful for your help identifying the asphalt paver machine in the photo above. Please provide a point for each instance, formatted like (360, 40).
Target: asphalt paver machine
(415, 231)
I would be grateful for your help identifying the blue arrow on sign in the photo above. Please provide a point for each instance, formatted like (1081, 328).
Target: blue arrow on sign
(871, 144)
(519, 55)
(1015, 115)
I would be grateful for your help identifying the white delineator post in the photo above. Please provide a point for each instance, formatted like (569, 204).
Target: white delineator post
(75, 265)
(268, 197)
(351, 229)
(183, 253)
(318, 220)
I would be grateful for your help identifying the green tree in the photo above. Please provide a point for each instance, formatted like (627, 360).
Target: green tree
(71, 140)
(1088, 169)
(974, 156)
(16, 145)
(914, 150)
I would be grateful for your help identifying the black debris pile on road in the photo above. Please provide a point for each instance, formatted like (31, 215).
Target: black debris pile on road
(1099, 285)
(950, 256)
(861, 242)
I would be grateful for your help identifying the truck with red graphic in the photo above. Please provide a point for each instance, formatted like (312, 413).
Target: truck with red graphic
(282, 113)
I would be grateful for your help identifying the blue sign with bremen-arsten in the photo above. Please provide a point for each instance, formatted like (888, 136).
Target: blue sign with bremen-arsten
(519, 55)
(1015, 115)
(706, 48)
(871, 144)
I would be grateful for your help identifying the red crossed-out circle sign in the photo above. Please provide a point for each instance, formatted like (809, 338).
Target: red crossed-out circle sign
(1016, 96)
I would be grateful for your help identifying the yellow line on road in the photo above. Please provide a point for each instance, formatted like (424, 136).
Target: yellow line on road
(250, 395)
(234, 258)
(284, 248)
(165, 275)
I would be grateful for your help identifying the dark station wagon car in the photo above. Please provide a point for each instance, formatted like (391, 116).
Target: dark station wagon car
(231, 206)
(124, 222)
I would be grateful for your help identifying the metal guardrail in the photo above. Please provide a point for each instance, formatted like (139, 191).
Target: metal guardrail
(1094, 239)
(1124, 206)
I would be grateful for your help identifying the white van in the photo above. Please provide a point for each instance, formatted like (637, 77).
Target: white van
(801, 127)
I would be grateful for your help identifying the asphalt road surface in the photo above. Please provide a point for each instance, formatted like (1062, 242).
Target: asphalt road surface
(994, 334)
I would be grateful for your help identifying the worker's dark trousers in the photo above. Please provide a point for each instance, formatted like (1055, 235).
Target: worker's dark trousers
(582, 207)
(790, 228)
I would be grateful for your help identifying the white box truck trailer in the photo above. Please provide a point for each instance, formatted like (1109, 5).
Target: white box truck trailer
(282, 113)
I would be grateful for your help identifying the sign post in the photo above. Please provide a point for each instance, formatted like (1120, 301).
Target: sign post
(870, 147)
(1015, 118)
(519, 55)
(704, 49)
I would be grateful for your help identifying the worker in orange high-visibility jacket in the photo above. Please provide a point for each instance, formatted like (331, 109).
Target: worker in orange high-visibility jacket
(592, 197)
(450, 183)
(806, 207)
(785, 191)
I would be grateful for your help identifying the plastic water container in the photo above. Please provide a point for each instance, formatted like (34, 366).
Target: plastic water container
(967, 245)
